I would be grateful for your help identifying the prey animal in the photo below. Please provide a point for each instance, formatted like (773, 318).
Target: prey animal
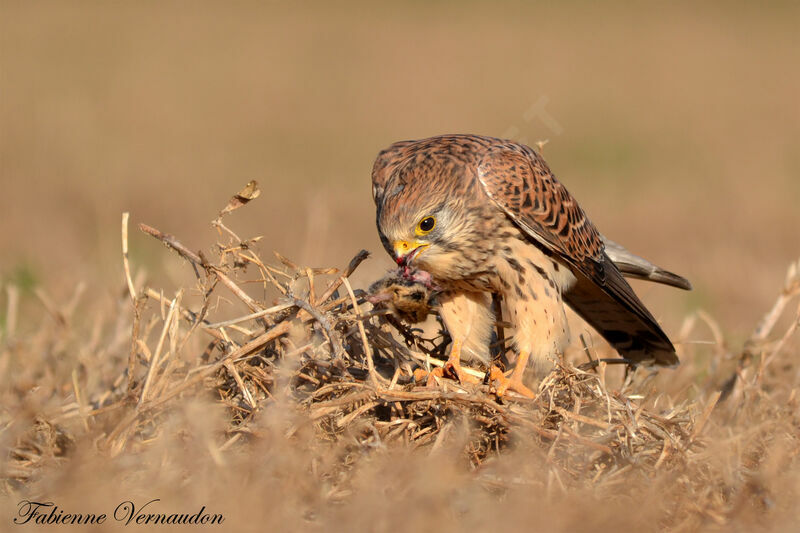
(485, 215)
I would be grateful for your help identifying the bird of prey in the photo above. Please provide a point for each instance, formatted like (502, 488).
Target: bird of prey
(485, 215)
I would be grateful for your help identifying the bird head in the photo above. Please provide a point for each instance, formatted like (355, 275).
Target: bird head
(421, 233)
(425, 213)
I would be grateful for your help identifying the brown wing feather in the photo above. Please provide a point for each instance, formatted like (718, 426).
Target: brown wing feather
(519, 182)
(620, 317)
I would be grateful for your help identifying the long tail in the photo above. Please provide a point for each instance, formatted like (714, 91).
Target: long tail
(633, 266)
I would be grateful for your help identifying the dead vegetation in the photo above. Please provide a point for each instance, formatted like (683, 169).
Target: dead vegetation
(717, 439)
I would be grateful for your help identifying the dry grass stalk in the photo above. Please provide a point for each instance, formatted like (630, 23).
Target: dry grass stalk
(347, 371)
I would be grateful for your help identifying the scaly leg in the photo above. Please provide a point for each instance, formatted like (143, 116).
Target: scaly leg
(451, 367)
(514, 382)
(468, 319)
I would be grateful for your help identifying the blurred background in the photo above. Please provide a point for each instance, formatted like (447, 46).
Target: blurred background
(677, 126)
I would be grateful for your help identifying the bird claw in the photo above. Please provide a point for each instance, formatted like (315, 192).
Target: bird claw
(433, 376)
(429, 378)
(455, 371)
(505, 384)
(449, 370)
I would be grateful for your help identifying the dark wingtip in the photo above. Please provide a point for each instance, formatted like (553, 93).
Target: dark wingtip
(660, 358)
(668, 359)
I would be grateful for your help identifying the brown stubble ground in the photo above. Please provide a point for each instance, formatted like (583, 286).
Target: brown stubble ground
(278, 421)
(680, 128)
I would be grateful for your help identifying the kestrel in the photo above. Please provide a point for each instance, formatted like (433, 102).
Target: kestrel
(485, 215)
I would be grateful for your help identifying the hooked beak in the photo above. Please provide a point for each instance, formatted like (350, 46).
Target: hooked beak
(406, 251)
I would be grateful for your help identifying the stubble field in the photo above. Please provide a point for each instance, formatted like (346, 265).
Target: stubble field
(676, 128)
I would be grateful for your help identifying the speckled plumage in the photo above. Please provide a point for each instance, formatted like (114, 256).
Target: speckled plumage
(504, 224)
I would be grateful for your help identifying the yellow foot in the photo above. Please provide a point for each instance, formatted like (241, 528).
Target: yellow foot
(432, 380)
(453, 369)
(419, 376)
(505, 384)
(429, 378)
(449, 370)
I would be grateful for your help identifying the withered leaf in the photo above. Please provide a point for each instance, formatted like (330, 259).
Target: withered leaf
(248, 193)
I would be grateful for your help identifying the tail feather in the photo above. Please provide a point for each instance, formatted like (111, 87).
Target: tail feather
(633, 266)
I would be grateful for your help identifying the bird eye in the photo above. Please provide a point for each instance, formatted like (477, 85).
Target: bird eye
(426, 225)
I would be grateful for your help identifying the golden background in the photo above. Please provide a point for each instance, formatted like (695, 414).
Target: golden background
(676, 126)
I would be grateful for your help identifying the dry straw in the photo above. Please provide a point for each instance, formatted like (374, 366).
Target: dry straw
(322, 350)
